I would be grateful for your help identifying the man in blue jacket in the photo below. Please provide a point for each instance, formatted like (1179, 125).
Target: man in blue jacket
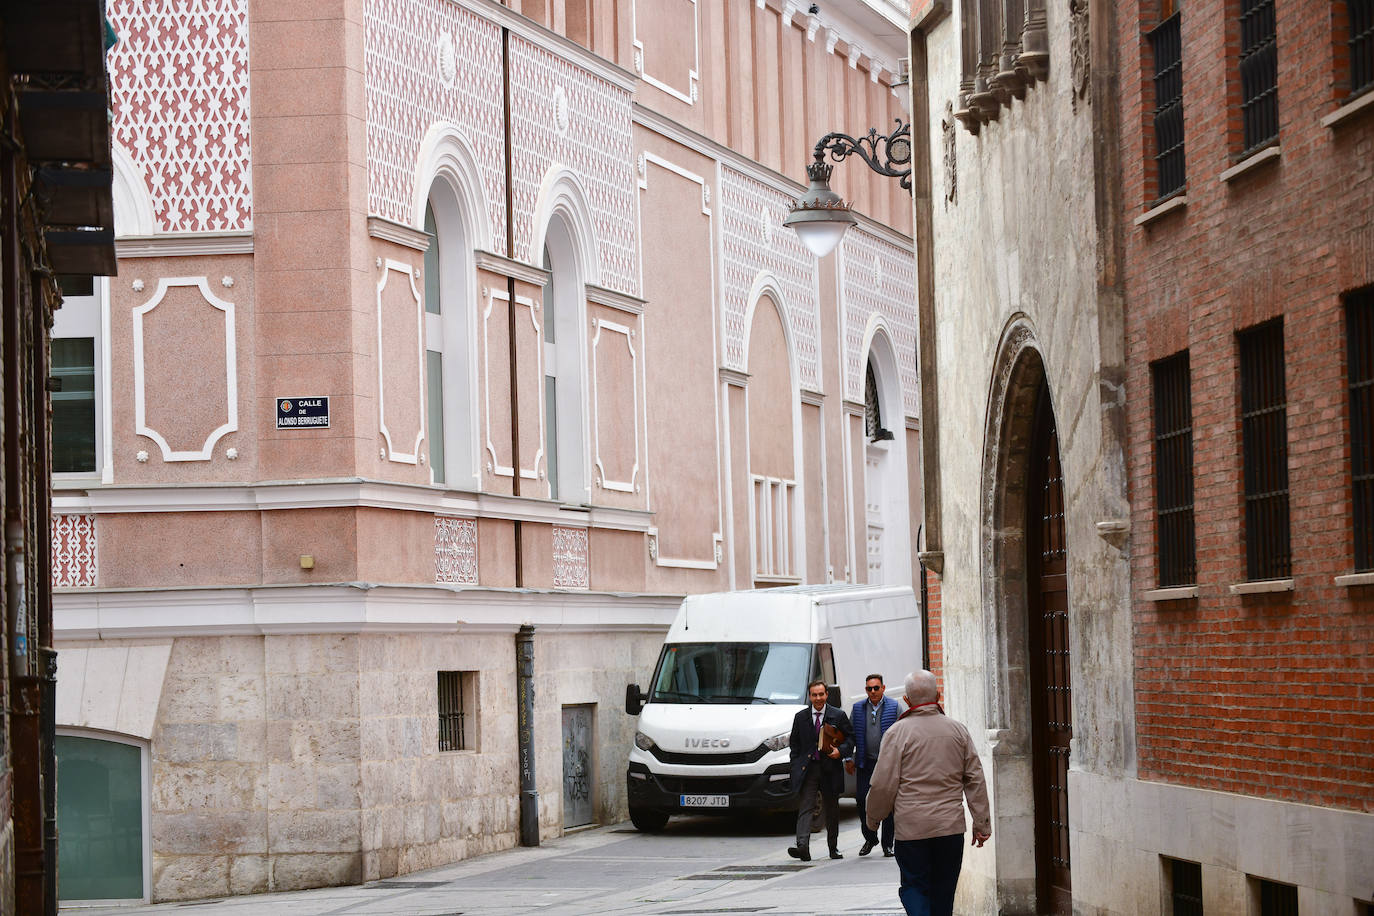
(872, 717)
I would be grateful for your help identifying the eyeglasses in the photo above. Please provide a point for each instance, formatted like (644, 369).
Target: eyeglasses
(879, 687)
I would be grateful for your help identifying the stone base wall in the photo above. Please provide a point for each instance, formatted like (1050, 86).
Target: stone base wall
(283, 762)
(1122, 829)
(7, 868)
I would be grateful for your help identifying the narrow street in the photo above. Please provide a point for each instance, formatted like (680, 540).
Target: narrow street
(696, 866)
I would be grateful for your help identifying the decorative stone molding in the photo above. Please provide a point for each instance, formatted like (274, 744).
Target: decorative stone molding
(951, 162)
(1080, 51)
(231, 422)
(1114, 531)
(507, 267)
(621, 302)
(665, 81)
(186, 244)
(390, 451)
(455, 550)
(570, 558)
(379, 227)
(734, 377)
(73, 551)
(628, 335)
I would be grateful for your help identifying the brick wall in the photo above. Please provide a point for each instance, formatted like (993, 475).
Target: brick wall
(1266, 695)
(937, 648)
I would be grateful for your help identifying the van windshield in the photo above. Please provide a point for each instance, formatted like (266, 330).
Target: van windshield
(732, 672)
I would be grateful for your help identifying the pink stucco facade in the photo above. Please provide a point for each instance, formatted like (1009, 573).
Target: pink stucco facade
(575, 369)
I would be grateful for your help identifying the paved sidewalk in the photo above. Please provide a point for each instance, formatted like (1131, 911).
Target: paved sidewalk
(697, 866)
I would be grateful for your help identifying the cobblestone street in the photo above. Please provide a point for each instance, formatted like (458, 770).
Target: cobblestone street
(695, 866)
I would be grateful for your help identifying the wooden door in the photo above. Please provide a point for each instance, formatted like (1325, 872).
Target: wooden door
(1048, 647)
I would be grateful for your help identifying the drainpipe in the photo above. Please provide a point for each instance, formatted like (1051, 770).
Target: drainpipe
(524, 678)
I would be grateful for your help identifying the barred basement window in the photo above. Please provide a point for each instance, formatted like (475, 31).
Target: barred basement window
(1360, 14)
(1264, 447)
(1259, 74)
(1174, 530)
(457, 698)
(1185, 887)
(1277, 899)
(1359, 338)
(1167, 44)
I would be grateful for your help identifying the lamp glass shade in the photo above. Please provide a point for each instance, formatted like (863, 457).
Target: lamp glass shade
(821, 236)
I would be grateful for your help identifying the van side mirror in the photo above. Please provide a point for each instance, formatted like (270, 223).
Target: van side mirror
(832, 695)
(634, 699)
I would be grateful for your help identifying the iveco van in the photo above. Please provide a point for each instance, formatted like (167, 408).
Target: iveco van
(714, 722)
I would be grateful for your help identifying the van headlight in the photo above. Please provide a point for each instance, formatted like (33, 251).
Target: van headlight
(643, 742)
(778, 742)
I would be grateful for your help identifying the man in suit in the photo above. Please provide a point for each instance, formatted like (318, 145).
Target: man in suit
(812, 773)
(872, 718)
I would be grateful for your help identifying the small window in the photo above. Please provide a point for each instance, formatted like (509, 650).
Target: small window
(1360, 15)
(1276, 899)
(73, 405)
(774, 501)
(457, 708)
(1359, 338)
(1259, 74)
(1174, 529)
(1185, 887)
(1264, 448)
(1166, 43)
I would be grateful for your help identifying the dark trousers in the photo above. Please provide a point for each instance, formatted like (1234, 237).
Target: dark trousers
(862, 778)
(930, 873)
(811, 784)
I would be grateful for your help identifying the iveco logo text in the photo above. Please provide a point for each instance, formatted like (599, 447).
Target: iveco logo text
(708, 742)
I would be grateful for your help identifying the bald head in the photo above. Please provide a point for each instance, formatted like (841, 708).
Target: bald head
(920, 688)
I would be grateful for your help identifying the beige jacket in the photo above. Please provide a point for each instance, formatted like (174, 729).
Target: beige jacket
(926, 768)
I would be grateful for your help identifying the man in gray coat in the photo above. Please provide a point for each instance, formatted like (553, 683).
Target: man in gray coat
(926, 768)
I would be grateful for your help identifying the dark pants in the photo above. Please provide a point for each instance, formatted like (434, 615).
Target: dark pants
(811, 784)
(930, 873)
(862, 777)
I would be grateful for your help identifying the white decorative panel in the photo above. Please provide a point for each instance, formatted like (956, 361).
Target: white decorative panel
(179, 94)
(570, 558)
(596, 144)
(628, 413)
(428, 61)
(455, 550)
(879, 278)
(754, 241)
(73, 551)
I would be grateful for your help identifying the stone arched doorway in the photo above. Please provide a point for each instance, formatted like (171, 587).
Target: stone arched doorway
(1025, 602)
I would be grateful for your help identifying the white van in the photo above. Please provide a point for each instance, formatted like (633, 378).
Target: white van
(714, 723)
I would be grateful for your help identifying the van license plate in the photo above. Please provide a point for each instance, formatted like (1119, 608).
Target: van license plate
(705, 801)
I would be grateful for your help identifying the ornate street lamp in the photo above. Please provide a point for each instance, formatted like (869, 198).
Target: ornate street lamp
(821, 216)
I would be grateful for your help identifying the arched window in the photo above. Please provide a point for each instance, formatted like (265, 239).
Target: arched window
(886, 510)
(448, 281)
(564, 368)
(102, 818)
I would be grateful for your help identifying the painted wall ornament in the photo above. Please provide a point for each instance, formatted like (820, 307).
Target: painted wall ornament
(951, 162)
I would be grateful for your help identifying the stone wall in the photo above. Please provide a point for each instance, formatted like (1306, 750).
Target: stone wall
(282, 762)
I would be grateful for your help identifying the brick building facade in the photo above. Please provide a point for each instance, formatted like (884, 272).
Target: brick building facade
(1247, 152)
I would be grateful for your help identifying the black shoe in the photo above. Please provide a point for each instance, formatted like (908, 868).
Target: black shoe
(836, 854)
(887, 851)
(867, 847)
(799, 852)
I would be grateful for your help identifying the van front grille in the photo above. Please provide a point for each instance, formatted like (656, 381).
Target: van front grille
(709, 759)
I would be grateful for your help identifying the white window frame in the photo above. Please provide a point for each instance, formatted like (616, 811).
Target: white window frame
(89, 316)
(773, 511)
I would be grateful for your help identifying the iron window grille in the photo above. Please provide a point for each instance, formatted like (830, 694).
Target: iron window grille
(455, 689)
(873, 414)
(1174, 529)
(1361, 17)
(1277, 899)
(1259, 74)
(1167, 44)
(1359, 337)
(1264, 447)
(1185, 887)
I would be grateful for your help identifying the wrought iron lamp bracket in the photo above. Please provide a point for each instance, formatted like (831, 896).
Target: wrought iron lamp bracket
(886, 154)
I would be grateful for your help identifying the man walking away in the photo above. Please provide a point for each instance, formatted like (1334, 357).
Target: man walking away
(872, 717)
(812, 773)
(926, 769)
